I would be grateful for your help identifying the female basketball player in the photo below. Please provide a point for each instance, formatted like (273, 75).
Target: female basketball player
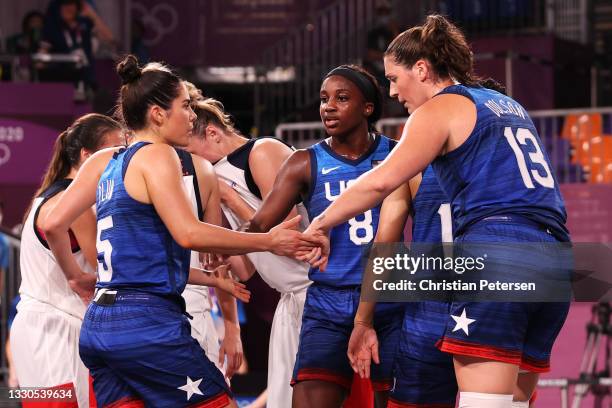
(203, 190)
(247, 169)
(489, 160)
(424, 376)
(350, 105)
(45, 333)
(135, 339)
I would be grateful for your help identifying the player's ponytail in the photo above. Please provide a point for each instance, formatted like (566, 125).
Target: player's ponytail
(87, 132)
(443, 45)
(59, 167)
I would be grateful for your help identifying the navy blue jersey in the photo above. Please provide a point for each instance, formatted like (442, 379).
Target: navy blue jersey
(135, 249)
(431, 212)
(501, 168)
(331, 174)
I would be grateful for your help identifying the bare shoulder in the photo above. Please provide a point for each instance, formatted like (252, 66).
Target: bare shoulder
(202, 165)
(157, 156)
(98, 161)
(269, 147)
(299, 159)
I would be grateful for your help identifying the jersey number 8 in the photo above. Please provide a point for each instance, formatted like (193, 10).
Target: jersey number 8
(365, 225)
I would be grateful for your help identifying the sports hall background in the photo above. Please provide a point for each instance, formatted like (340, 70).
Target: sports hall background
(264, 59)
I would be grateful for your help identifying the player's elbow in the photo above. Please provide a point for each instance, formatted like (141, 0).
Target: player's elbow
(380, 186)
(186, 237)
(51, 227)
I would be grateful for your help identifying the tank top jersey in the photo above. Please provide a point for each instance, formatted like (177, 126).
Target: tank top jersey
(42, 280)
(431, 212)
(135, 249)
(331, 174)
(280, 273)
(196, 296)
(502, 168)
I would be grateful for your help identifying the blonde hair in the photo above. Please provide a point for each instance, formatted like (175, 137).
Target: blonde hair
(208, 111)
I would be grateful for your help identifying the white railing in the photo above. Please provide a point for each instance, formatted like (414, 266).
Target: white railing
(578, 141)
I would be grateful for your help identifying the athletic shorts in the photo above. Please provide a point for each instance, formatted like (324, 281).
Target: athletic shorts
(138, 348)
(424, 376)
(518, 333)
(327, 324)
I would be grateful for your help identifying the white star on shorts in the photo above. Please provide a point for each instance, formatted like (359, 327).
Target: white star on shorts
(462, 323)
(192, 387)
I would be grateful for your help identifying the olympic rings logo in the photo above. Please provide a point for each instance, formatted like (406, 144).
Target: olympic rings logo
(5, 154)
(160, 20)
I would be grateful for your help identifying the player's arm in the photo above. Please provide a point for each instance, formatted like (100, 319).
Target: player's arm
(363, 343)
(291, 183)
(166, 192)
(78, 198)
(394, 212)
(231, 345)
(209, 190)
(420, 144)
(84, 229)
(265, 161)
(231, 199)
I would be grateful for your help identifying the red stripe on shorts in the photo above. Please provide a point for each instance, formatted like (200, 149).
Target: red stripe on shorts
(464, 348)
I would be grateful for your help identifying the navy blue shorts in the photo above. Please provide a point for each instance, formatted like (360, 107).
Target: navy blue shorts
(327, 324)
(140, 349)
(424, 376)
(512, 332)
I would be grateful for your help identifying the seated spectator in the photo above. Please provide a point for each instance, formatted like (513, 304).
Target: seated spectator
(28, 40)
(68, 29)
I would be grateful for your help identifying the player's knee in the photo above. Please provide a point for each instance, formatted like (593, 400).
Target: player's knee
(482, 400)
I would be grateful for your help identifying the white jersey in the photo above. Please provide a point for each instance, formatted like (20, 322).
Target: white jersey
(281, 273)
(196, 296)
(42, 280)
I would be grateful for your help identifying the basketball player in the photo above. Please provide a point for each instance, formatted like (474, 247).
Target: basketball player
(202, 189)
(350, 105)
(424, 376)
(45, 333)
(489, 160)
(135, 338)
(247, 169)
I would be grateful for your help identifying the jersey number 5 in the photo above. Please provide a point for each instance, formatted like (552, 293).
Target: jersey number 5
(104, 247)
(523, 135)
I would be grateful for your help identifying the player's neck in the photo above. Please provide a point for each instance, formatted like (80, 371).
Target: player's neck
(235, 141)
(352, 146)
(147, 135)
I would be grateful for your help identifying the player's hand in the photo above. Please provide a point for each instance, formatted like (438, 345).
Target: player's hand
(231, 346)
(84, 286)
(226, 283)
(319, 256)
(210, 261)
(362, 349)
(286, 241)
